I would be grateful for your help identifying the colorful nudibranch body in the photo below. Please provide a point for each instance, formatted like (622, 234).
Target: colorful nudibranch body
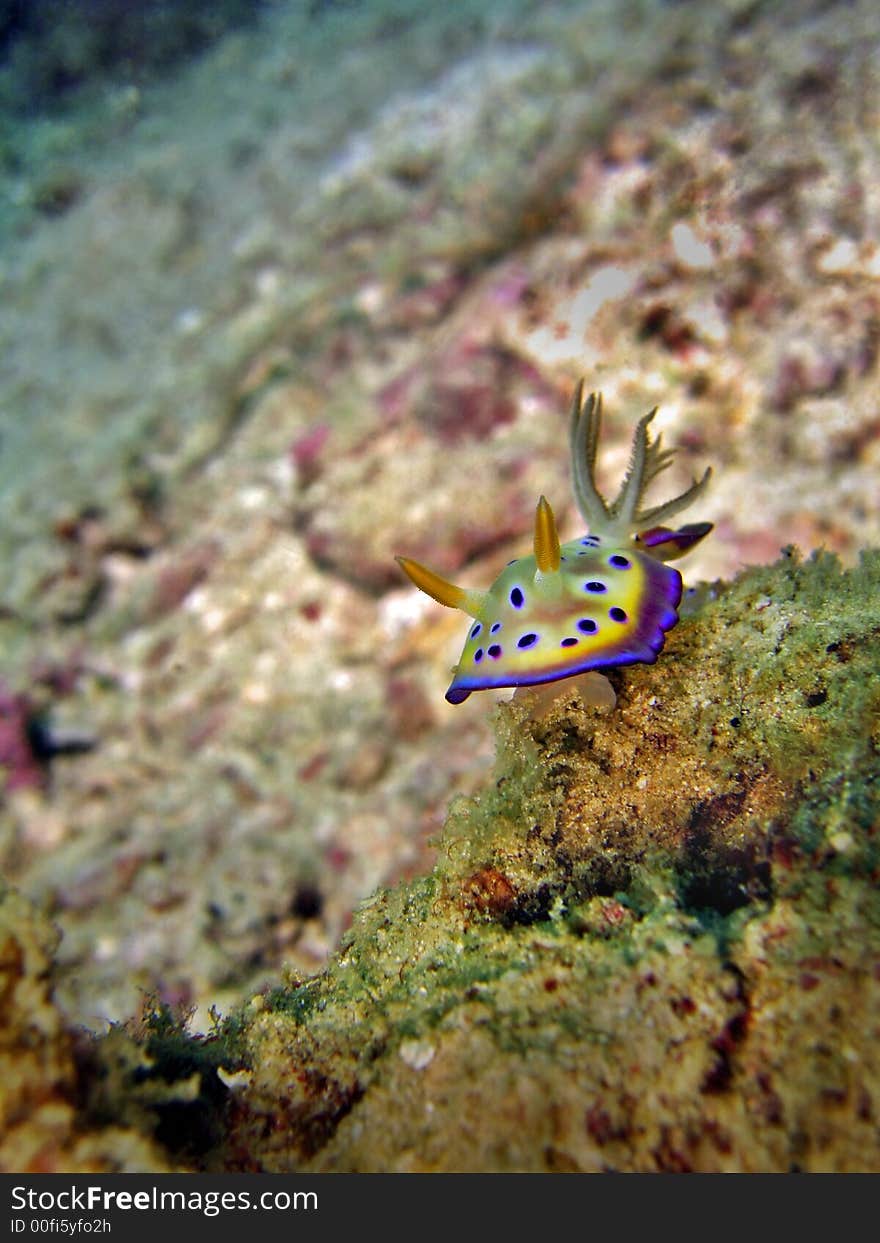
(603, 600)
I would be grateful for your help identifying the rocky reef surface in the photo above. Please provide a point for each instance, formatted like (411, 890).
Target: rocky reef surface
(258, 335)
(41, 1127)
(650, 942)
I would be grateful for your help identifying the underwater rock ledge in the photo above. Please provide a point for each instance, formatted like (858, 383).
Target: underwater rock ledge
(652, 943)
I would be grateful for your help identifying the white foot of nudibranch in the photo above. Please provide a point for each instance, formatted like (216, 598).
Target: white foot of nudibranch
(594, 689)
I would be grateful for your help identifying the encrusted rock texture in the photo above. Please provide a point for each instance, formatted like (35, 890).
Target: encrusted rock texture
(652, 942)
(42, 1129)
(259, 335)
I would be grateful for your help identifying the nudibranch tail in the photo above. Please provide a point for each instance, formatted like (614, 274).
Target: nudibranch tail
(546, 538)
(440, 589)
(666, 545)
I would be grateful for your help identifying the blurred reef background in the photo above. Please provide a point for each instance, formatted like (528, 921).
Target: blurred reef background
(286, 289)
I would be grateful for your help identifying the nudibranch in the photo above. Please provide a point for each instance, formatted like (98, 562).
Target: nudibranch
(604, 600)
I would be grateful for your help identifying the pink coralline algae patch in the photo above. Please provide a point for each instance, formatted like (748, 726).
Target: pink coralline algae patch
(307, 450)
(428, 304)
(181, 575)
(475, 388)
(471, 410)
(820, 359)
(466, 396)
(465, 391)
(19, 767)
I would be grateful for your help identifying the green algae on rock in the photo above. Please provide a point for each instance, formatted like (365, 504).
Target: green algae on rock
(653, 943)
